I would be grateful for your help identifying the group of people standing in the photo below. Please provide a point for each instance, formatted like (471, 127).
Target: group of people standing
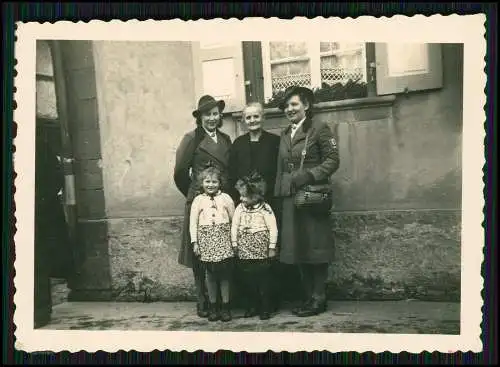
(240, 206)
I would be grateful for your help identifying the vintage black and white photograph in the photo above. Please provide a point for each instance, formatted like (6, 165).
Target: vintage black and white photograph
(308, 183)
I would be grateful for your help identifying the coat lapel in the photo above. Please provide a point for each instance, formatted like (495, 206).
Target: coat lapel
(301, 133)
(217, 150)
(287, 137)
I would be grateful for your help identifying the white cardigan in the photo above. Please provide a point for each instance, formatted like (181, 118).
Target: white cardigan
(254, 220)
(205, 211)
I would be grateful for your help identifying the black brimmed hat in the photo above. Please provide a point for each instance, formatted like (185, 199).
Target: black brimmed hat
(206, 103)
(295, 90)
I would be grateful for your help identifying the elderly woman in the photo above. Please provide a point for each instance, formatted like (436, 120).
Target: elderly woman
(257, 151)
(306, 235)
(205, 145)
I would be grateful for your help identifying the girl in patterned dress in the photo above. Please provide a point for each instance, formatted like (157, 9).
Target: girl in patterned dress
(210, 230)
(254, 234)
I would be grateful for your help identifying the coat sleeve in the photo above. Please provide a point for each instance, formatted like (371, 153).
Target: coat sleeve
(329, 153)
(229, 206)
(183, 157)
(279, 171)
(233, 169)
(272, 226)
(194, 218)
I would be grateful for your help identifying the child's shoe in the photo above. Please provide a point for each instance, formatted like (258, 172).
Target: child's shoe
(213, 312)
(202, 309)
(251, 312)
(225, 314)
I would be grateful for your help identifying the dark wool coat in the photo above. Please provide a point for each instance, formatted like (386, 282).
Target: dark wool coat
(305, 237)
(192, 156)
(264, 159)
(51, 231)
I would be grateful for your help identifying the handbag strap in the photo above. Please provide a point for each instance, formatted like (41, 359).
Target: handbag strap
(304, 152)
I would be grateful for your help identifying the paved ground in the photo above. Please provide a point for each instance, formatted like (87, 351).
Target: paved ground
(409, 317)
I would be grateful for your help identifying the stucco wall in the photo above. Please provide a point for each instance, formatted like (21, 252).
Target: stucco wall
(146, 93)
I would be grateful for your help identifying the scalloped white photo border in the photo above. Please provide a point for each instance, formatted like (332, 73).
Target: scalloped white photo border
(469, 30)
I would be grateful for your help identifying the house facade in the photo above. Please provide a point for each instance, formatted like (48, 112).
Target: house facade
(116, 112)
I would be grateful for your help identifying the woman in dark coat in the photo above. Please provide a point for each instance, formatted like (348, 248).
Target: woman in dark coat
(306, 236)
(205, 145)
(52, 258)
(257, 151)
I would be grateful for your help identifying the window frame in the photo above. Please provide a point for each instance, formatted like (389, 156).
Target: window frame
(313, 55)
(432, 79)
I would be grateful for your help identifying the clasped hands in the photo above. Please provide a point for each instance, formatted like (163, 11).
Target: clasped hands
(301, 178)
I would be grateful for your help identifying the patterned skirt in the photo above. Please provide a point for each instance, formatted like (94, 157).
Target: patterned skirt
(214, 242)
(253, 246)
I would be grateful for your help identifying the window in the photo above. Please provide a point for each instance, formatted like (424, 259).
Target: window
(311, 64)
(408, 67)
(46, 106)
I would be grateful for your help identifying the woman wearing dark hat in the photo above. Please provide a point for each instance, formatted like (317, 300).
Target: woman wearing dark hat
(306, 235)
(204, 146)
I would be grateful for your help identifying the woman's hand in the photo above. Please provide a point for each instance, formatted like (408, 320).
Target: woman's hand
(272, 253)
(302, 178)
(196, 249)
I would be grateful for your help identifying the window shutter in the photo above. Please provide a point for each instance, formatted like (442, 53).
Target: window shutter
(402, 68)
(219, 72)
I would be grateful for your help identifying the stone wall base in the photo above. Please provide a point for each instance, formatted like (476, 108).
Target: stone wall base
(386, 255)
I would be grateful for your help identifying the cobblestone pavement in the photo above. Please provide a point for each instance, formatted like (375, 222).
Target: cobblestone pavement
(409, 317)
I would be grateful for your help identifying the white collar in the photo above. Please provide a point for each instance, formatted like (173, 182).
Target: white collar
(212, 134)
(299, 124)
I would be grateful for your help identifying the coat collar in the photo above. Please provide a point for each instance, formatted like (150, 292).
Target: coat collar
(263, 136)
(299, 135)
(218, 151)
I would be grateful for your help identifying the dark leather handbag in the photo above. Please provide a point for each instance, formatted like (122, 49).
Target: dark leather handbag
(314, 197)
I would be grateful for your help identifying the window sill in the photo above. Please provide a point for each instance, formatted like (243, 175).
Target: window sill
(346, 104)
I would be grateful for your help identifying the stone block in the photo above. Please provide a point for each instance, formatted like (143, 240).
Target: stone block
(77, 54)
(89, 174)
(396, 255)
(81, 83)
(90, 204)
(87, 144)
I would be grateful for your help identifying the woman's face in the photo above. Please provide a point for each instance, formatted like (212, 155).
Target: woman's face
(253, 118)
(295, 109)
(211, 184)
(210, 119)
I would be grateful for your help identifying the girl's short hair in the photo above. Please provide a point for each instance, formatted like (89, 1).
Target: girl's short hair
(252, 185)
(208, 172)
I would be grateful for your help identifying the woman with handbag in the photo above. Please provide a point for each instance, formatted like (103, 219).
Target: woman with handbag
(307, 157)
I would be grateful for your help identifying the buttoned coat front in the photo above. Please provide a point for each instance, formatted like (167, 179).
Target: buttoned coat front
(195, 151)
(306, 237)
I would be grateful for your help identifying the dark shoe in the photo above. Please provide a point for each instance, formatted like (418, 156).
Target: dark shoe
(202, 309)
(301, 307)
(225, 314)
(250, 313)
(213, 313)
(315, 308)
(265, 315)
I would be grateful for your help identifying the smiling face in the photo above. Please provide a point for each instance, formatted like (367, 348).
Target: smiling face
(295, 109)
(211, 184)
(253, 116)
(210, 119)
